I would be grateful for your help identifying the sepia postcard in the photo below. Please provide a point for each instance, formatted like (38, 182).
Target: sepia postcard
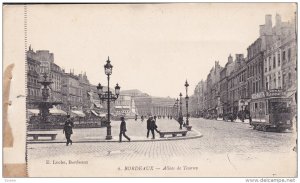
(150, 90)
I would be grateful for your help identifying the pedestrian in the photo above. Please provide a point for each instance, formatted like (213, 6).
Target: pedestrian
(123, 130)
(142, 118)
(148, 125)
(180, 121)
(68, 131)
(153, 127)
(135, 117)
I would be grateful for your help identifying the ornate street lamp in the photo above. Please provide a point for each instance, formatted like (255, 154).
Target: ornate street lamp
(187, 102)
(175, 113)
(180, 104)
(177, 107)
(187, 125)
(108, 95)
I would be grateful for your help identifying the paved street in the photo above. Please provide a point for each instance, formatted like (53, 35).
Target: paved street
(233, 146)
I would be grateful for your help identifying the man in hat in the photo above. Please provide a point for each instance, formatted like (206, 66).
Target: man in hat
(123, 130)
(149, 121)
(153, 127)
(68, 129)
(180, 121)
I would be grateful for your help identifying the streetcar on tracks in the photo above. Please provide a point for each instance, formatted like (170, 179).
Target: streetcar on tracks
(271, 110)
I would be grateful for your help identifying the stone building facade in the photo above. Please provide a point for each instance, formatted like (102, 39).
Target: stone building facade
(71, 92)
(33, 76)
(47, 65)
(270, 64)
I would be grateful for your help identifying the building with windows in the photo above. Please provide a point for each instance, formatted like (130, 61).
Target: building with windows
(125, 105)
(47, 65)
(33, 76)
(71, 92)
(199, 95)
(279, 61)
(237, 85)
(85, 86)
(212, 99)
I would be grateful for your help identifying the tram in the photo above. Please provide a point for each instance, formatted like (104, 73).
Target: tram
(270, 110)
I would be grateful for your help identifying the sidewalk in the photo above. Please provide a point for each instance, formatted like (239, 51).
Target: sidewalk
(246, 121)
(136, 130)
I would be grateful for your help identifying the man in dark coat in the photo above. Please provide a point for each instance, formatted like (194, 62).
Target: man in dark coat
(68, 129)
(153, 127)
(148, 125)
(123, 130)
(180, 121)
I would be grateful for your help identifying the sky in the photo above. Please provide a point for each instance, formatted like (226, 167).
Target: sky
(152, 47)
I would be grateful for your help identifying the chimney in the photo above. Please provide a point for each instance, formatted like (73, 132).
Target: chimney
(268, 24)
(230, 60)
(262, 30)
(278, 19)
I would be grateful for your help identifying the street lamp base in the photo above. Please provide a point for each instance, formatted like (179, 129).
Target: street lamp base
(108, 137)
(189, 128)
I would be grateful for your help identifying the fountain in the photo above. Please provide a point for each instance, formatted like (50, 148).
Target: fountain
(45, 104)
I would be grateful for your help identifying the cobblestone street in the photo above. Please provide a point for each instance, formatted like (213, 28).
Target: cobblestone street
(223, 143)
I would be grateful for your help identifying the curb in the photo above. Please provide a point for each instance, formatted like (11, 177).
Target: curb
(199, 135)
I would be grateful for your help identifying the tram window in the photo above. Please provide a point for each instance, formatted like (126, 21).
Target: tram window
(279, 107)
(263, 107)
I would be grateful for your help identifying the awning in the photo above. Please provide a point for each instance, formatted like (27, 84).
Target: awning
(33, 111)
(98, 105)
(122, 107)
(78, 113)
(95, 113)
(102, 115)
(55, 111)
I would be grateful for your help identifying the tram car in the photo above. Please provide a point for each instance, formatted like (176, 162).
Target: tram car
(270, 111)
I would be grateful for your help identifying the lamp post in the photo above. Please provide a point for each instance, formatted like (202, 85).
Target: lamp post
(176, 108)
(180, 104)
(108, 95)
(187, 102)
(188, 127)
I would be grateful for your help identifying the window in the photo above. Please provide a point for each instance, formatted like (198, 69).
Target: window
(253, 90)
(274, 82)
(279, 80)
(283, 80)
(278, 57)
(290, 78)
(289, 54)
(269, 63)
(274, 62)
(283, 56)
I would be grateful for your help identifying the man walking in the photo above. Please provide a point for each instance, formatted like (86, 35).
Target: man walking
(180, 121)
(68, 130)
(123, 130)
(153, 127)
(148, 125)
